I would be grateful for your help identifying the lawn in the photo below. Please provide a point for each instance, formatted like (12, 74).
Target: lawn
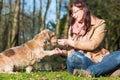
(49, 75)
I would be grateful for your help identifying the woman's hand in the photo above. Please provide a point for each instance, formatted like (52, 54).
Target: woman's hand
(63, 42)
(58, 51)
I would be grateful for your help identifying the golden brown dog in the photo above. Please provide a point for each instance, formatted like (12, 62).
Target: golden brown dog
(27, 54)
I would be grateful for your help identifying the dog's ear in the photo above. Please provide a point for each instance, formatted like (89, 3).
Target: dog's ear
(51, 33)
(45, 34)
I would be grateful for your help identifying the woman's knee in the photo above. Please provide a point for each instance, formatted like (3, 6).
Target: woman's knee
(117, 56)
(75, 57)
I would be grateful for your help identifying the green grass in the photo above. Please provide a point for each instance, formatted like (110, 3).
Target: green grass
(49, 75)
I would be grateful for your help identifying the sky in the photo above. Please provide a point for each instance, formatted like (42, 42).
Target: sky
(51, 16)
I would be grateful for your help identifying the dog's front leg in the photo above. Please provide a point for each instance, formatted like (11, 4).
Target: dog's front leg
(28, 69)
(49, 53)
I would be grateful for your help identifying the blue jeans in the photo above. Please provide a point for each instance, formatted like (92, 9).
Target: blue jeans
(109, 63)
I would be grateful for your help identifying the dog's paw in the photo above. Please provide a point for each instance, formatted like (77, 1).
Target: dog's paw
(29, 69)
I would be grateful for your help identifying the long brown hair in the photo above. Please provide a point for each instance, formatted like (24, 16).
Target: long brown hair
(87, 19)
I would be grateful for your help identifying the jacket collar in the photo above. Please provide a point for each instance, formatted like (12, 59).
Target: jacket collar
(93, 20)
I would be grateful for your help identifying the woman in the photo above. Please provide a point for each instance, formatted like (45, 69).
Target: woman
(85, 36)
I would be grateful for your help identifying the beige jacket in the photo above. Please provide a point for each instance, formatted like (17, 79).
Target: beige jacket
(91, 42)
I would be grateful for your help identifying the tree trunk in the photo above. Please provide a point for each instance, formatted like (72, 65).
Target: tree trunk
(58, 8)
(15, 29)
(40, 16)
(67, 22)
(1, 3)
(33, 20)
(5, 37)
(45, 15)
(10, 24)
(23, 21)
(7, 28)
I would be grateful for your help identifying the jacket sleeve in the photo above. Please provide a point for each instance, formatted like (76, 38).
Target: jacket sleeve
(95, 40)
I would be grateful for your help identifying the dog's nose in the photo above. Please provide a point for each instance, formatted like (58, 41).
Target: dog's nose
(54, 39)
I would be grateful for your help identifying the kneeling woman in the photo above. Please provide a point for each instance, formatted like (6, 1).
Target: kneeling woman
(85, 36)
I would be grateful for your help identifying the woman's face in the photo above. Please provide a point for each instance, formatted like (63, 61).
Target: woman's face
(77, 13)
